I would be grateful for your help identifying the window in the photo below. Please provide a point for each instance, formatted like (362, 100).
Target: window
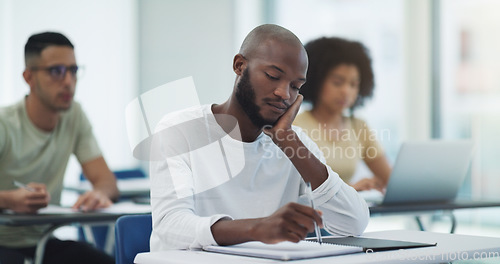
(470, 85)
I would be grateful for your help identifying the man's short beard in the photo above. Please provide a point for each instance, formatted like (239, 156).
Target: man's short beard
(45, 100)
(246, 98)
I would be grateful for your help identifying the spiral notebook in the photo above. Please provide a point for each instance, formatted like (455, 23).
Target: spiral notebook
(311, 249)
(375, 244)
(285, 250)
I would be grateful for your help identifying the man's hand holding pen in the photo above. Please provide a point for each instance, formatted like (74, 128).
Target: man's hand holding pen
(291, 222)
(29, 198)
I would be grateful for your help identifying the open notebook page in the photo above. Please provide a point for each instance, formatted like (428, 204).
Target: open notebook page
(284, 250)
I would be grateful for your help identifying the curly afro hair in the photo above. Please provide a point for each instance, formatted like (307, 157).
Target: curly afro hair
(326, 54)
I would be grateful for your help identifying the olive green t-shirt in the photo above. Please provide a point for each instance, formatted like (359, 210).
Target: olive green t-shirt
(345, 148)
(28, 154)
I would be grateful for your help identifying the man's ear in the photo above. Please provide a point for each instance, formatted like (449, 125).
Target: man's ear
(28, 77)
(239, 64)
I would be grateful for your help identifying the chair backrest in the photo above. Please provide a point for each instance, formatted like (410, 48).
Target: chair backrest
(124, 174)
(132, 234)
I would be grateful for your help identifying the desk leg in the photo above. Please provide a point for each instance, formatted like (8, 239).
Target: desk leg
(109, 243)
(40, 247)
(110, 239)
(419, 223)
(89, 235)
(450, 214)
(453, 222)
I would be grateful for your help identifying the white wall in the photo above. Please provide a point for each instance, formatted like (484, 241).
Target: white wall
(104, 35)
(188, 38)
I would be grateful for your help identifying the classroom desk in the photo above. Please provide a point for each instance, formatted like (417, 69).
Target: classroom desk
(450, 247)
(57, 217)
(127, 187)
(413, 208)
(131, 189)
(423, 207)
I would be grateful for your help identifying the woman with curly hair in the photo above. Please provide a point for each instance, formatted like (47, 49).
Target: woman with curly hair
(339, 80)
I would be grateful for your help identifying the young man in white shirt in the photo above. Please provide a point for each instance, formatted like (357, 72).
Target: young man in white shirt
(235, 172)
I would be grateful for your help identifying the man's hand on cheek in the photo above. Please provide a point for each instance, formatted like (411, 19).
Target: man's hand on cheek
(283, 126)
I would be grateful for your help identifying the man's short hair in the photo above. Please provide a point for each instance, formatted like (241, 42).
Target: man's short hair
(38, 42)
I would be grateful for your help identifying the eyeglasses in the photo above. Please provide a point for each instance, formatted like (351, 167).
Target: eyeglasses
(58, 72)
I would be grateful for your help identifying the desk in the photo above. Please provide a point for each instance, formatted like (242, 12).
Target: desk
(127, 187)
(430, 207)
(450, 247)
(57, 217)
(135, 189)
(422, 207)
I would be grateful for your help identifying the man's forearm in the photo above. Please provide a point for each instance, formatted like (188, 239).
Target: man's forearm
(291, 222)
(4, 204)
(230, 232)
(108, 187)
(310, 168)
(102, 179)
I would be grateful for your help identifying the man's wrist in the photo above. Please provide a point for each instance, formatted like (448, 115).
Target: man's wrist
(4, 199)
(106, 193)
(281, 137)
(229, 232)
(253, 229)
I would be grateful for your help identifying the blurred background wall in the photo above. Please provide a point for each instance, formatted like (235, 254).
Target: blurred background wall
(436, 62)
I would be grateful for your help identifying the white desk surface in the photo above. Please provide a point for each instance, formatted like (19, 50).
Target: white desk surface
(127, 187)
(121, 208)
(450, 247)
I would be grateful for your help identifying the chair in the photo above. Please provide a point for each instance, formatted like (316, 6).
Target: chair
(98, 234)
(132, 234)
(124, 174)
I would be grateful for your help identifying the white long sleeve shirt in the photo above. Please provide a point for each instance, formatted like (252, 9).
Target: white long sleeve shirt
(203, 175)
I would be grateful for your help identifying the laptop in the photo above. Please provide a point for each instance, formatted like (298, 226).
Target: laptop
(427, 172)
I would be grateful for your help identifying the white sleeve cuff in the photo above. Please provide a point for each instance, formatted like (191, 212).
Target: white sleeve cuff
(204, 233)
(328, 188)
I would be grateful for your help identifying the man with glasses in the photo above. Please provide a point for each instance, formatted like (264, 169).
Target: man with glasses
(37, 136)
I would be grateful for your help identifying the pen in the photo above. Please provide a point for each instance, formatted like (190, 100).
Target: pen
(310, 197)
(24, 186)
